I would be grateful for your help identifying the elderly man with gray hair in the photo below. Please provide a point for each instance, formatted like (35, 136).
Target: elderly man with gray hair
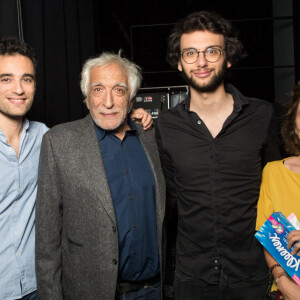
(101, 193)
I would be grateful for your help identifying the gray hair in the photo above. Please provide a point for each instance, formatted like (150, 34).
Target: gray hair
(132, 71)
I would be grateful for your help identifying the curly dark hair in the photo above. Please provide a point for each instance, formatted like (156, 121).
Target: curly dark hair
(205, 20)
(290, 138)
(12, 45)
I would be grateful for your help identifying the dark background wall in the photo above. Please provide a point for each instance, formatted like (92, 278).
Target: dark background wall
(65, 33)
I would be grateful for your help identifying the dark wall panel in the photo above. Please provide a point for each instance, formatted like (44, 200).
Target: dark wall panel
(65, 33)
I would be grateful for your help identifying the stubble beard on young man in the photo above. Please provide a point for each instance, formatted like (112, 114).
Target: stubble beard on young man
(211, 86)
(6, 113)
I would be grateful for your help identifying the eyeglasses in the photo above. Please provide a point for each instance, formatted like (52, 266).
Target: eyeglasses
(210, 54)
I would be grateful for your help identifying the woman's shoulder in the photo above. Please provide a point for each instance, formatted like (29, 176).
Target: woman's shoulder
(274, 166)
(275, 163)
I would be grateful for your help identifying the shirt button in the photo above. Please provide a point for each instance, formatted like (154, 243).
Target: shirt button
(216, 261)
(114, 261)
(216, 268)
(198, 122)
(126, 171)
(131, 197)
(134, 225)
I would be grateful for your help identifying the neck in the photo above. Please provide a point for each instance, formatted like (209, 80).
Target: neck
(12, 128)
(210, 101)
(120, 132)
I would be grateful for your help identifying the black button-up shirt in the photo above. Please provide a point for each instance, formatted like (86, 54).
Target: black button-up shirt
(132, 188)
(215, 183)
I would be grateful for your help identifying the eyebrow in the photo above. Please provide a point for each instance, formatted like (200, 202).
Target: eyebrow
(118, 84)
(212, 46)
(11, 75)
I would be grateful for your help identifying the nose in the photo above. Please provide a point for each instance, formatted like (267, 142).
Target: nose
(201, 61)
(108, 100)
(18, 87)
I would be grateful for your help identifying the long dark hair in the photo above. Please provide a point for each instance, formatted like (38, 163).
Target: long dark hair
(289, 136)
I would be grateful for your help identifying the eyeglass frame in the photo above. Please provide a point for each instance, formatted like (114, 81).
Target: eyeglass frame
(202, 51)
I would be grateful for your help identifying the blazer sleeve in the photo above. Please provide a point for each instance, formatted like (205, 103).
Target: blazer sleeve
(48, 225)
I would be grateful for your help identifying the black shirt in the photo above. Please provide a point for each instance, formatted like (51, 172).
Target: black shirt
(215, 182)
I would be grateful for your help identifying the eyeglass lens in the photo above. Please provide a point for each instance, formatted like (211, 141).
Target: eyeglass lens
(211, 55)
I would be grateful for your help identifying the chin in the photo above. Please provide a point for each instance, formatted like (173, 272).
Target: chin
(107, 125)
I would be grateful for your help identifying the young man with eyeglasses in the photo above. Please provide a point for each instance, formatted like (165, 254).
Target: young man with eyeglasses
(213, 146)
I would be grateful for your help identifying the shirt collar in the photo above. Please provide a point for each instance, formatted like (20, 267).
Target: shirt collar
(238, 99)
(26, 124)
(101, 132)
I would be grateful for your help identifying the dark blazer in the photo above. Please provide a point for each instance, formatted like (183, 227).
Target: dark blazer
(76, 230)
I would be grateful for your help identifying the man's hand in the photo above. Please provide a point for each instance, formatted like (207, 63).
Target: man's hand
(140, 116)
(293, 237)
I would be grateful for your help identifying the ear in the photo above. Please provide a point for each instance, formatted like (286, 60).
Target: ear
(179, 66)
(87, 103)
(228, 64)
(131, 103)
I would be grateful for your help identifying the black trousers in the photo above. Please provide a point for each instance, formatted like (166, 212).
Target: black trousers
(189, 288)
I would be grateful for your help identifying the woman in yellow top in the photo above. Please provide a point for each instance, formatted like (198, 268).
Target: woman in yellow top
(280, 191)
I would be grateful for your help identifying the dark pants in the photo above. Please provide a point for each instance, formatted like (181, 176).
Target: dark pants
(189, 288)
(149, 292)
(31, 296)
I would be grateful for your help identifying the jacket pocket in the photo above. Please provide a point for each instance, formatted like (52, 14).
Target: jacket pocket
(74, 247)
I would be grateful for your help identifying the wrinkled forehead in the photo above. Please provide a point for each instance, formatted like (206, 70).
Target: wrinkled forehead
(111, 73)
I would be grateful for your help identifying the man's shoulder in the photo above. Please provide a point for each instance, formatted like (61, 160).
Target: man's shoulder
(259, 108)
(67, 128)
(38, 127)
(172, 114)
(248, 103)
(260, 103)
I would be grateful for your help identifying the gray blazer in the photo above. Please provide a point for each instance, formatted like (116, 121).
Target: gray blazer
(76, 230)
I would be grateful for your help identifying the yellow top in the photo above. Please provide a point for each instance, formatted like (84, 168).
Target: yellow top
(280, 191)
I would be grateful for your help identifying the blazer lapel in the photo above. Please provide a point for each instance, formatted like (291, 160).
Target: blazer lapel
(96, 170)
(151, 151)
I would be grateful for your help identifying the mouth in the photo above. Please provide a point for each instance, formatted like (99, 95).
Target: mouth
(202, 73)
(16, 100)
(108, 115)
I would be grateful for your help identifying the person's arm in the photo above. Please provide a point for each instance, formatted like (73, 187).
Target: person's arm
(48, 226)
(285, 285)
(140, 116)
(271, 150)
(168, 169)
(264, 205)
(171, 212)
